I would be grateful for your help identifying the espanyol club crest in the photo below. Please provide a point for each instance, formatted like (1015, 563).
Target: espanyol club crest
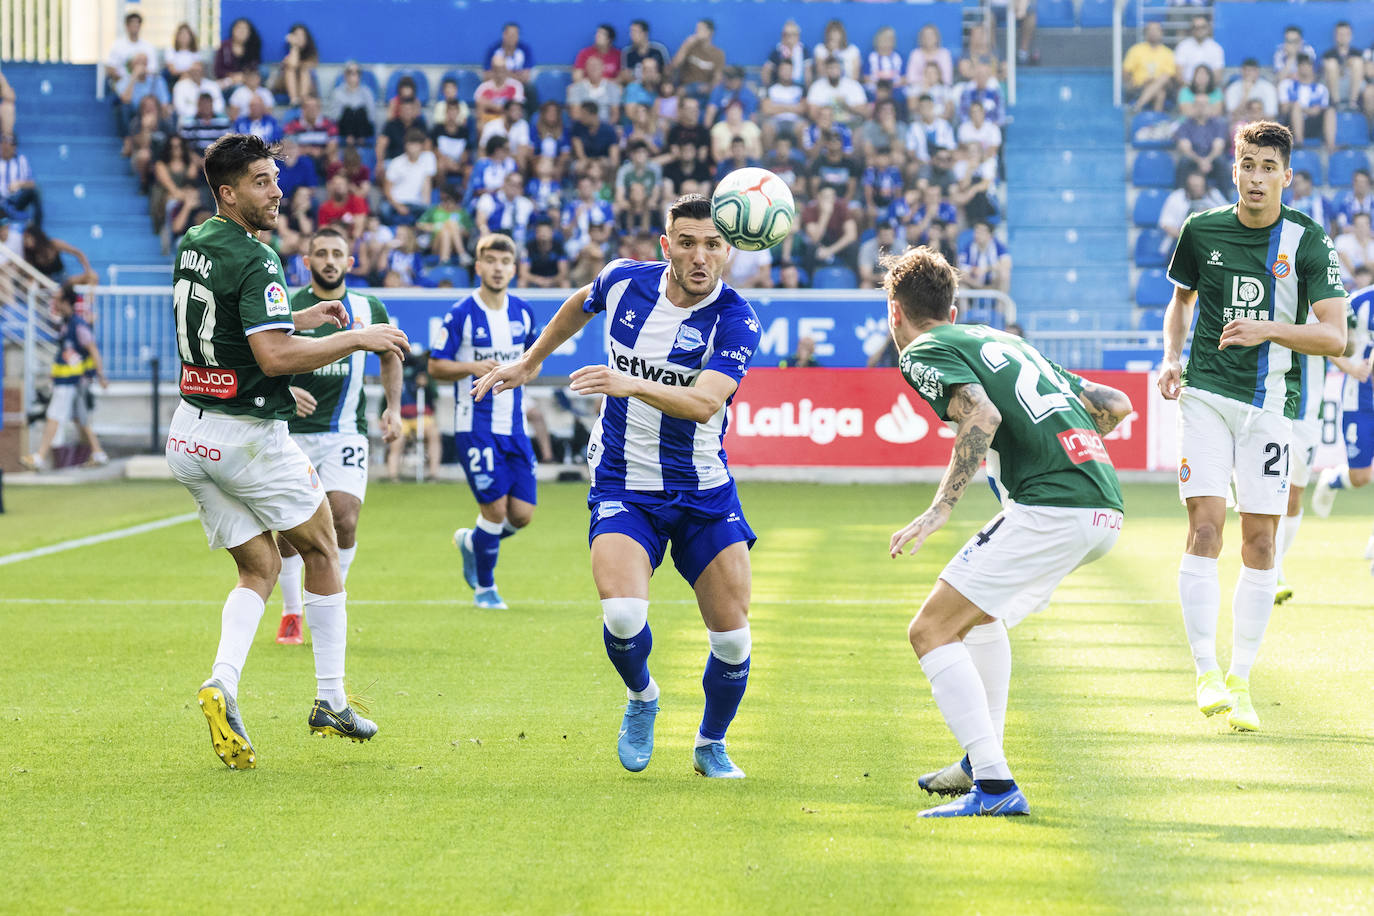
(1281, 268)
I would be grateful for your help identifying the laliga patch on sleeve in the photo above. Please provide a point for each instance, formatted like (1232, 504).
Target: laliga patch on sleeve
(275, 298)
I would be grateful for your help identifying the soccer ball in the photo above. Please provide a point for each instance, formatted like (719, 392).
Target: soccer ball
(753, 209)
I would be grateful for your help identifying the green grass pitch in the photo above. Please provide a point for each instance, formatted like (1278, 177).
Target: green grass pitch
(494, 787)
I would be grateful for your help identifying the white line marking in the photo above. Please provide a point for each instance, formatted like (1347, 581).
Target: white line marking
(95, 539)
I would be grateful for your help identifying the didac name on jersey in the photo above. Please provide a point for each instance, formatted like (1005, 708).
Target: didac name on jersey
(641, 368)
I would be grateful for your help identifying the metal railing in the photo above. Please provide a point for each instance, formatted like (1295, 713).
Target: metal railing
(35, 30)
(26, 319)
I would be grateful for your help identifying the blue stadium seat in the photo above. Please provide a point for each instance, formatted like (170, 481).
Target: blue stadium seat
(1147, 207)
(835, 278)
(1304, 160)
(1351, 129)
(962, 240)
(1150, 319)
(366, 77)
(1153, 290)
(456, 275)
(1343, 165)
(1054, 14)
(368, 154)
(802, 277)
(1153, 169)
(552, 85)
(1150, 249)
(467, 79)
(1152, 130)
(1097, 14)
(421, 83)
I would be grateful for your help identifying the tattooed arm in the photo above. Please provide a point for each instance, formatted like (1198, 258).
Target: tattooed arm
(1105, 405)
(978, 419)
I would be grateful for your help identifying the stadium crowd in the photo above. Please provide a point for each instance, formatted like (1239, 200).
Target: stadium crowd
(576, 160)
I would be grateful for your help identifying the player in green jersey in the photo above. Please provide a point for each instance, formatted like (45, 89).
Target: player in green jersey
(330, 424)
(1254, 269)
(1041, 431)
(228, 442)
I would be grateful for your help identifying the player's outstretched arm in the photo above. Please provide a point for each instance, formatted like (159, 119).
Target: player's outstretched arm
(329, 311)
(279, 353)
(1324, 337)
(1178, 317)
(1105, 405)
(567, 321)
(978, 419)
(393, 373)
(698, 402)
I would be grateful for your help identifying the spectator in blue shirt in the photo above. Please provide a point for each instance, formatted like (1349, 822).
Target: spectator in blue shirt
(882, 182)
(134, 85)
(1305, 105)
(259, 122)
(1201, 144)
(294, 170)
(1357, 199)
(1307, 200)
(984, 261)
(516, 55)
(1286, 55)
(732, 90)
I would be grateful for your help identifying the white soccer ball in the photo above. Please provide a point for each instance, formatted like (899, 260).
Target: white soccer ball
(753, 209)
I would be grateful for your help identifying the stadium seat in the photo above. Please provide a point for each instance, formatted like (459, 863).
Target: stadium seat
(1351, 129)
(366, 77)
(1150, 319)
(1153, 130)
(1151, 249)
(803, 278)
(421, 83)
(1054, 14)
(835, 278)
(1343, 165)
(1153, 169)
(467, 79)
(552, 85)
(456, 275)
(1097, 14)
(962, 240)
(1153, 290)
(368, 154)
(1147, 207)
(1304, 160)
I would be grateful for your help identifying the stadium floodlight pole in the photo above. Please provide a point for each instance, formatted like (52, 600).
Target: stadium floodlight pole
(1118, 9)
(1011, 55)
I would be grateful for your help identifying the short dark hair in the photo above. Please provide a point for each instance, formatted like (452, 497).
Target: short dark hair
(230, 157)
(1343, 22)
(1364, 172)
(1304, 59)
(921, 282)
(1303, 173)
(331, 231)
(1292, 28)
(590, 108)
(495, 142)
(1267, 134)
(709, 23)
(689, 206)
(610, 31)
(415, 135)
(642, 23)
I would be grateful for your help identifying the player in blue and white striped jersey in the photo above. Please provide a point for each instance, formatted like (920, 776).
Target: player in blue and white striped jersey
(679, 343)
(479, 333)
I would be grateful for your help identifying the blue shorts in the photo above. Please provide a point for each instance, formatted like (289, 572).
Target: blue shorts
(1359, 438)
(497, 466)
(697, 533)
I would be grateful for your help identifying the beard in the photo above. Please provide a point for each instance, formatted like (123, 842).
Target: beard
(261, 219)
(323, 283)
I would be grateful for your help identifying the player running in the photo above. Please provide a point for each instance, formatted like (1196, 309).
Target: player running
(1041, 430)
(1256, 268)
(1357, 413)
(679, 343)
(330, 424)
(228, 442)
(486, 329)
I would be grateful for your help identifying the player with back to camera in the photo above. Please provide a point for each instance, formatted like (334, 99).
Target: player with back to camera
(1041, 431)
(228, 443)
(330, 424)
(480, 332)
(680, 341)
(1255, 269)
(1357, 409)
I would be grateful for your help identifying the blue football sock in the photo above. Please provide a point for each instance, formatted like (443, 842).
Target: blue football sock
(507, 529)
(630, 656)
(486, 545)
(724, 686)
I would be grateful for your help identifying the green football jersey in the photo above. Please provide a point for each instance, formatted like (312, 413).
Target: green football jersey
(1271, 274)
(1046, 451)
(341, 404)
(227, 285)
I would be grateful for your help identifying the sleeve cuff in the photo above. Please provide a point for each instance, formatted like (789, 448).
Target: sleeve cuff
(287, 326)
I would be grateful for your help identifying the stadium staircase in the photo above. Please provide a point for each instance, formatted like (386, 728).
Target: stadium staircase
(1066, 211)
(90, 198)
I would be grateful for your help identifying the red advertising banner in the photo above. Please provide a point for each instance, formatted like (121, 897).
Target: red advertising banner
(872, 418)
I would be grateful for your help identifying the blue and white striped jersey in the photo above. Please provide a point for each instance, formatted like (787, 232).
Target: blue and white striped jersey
(1360, 395)
(473, 332)
(634, 447)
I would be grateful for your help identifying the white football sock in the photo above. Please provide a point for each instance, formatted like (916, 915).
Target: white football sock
(963, 702)
(1288, 532)
(327, 616)
(990, 650)
(1199, 594)
(238, 623)
(346, 555)
(290, 578)
(1250, 610)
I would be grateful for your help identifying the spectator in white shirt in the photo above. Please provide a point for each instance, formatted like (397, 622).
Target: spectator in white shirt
(1306, 200)
(1306, 105)
(1287, 53)
(928, 132)
(251, 86)
(125, 47)
(407, 181)
(1194, 197)
(749, 269)
(188, 90)
(1251, 85)
(513, 126)
(1199, 48)
(837, 46)
(1343, 67)
(978, 129)
(783, 105)
(928, 50)
(839, 92)
(185, 51)
(1355, 247)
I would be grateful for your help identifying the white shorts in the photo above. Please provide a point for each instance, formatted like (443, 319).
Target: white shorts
(1307, 435)
(1010, 569)
(246, 474)
(1221, 439)
(68, 402)
(339, 458)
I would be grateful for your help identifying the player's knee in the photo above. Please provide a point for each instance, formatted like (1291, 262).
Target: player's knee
(624, 617)
(520, 516)
(1204, 539)
(1360, 477)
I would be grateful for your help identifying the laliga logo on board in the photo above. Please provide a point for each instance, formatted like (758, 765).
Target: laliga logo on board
(800, 421)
